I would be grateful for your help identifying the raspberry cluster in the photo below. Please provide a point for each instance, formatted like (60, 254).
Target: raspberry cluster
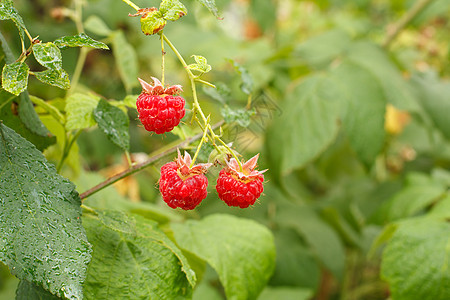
(185, 186)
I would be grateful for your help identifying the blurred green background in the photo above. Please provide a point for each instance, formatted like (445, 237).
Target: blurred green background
(339, 170)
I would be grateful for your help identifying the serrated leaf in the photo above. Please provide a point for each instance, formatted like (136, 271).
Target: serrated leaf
(126, 60)
(15, 77)
(55, 77)
(114, 123)
(247, 81)
(96, 25)
(28, 291)
(201, 65)
(310, 113)
(241, 116)
(48, 55)
(416, 261)
(9, 12)
(241, 251)
(172, 10)
(133, 259)
(365, 104)
(211, 6)
(80, 111)
(79, 40)
(41, 237)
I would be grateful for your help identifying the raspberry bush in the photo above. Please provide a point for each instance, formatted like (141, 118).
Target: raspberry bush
(240, 150)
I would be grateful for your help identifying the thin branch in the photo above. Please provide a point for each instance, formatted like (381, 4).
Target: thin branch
(404, 21)
(138, 167)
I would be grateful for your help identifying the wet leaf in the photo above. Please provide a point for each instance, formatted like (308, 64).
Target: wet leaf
(15, 77)
(241, 251)
(9, 12)
(56, 77)
(79, 40)
(48, 55)
(28, 291)
(114, 123)
(133, 259)
(41, 237)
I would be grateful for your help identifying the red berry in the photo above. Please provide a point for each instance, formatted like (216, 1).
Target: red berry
(240, 187)
(182, 186)
(160, 110)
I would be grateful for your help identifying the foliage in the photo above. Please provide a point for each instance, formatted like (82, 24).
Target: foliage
(347, 102)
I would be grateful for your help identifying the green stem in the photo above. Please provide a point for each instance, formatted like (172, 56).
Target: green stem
(66, 149)
(205, 132)
(131, 4)
(405, 20)
(130, 163)
(163, 54)
(205, 82)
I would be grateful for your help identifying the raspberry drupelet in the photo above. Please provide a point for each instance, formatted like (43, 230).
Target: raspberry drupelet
(240, 188)
(159, 108)
(182, 186)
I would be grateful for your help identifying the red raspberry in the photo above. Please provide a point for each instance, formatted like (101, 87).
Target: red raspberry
(240, 188)
(160, 110)
(182, 186)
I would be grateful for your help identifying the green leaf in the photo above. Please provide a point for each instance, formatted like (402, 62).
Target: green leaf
(80, 111)
(130, 101)
(375, 60)
(434, 96)
(221, 93)
(53, 111)
(416, 261)
(15, 77)
(55, 77)
(241, 251)
(9, 12)
(241, 116)
(363, 120)
(79, 40)
(323, 241)
(29, 291)
(286, 293)
(96, 25)
(172, 10)
(41, 237)
(317, 52)
(48, 55)
(308, 125)
(126, 60)
(211, 6)
(114, 123)
(247, 81)
(133, 259)
(201, 65)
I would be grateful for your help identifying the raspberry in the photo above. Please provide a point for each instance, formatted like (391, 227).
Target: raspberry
(240, 188)
(183, 186)
(160, 110)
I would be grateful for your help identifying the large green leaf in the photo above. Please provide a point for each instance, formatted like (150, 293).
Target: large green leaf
(126, 60)
(371, 57)
(365, 102)
(15, 77)
(416, 261)
(286, 293)
(114, 123)
(323, 241)
(41, 237)
(79, 40)
(48, 55)
(241, 251)
(133, 259)
(308, 125)
(9, 12)
(80, 111)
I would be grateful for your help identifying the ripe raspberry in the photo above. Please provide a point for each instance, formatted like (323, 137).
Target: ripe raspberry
(182, 186)
(160, 110)
(240, 188)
